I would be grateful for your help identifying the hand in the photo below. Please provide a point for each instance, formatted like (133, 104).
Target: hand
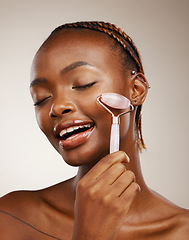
(103, 198)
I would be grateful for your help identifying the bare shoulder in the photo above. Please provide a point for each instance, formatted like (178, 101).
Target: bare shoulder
(174, 220)
(181, 223)
(19, 202)
(15, 208)
(34, 214)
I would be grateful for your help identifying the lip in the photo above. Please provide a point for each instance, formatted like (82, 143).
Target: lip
(76, 139)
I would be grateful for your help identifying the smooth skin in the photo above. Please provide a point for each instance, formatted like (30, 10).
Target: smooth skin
(108, 198)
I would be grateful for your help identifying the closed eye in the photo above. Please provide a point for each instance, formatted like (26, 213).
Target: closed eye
(41, 101)
(84, 86)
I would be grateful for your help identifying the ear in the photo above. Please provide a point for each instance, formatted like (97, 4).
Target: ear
(139, 89)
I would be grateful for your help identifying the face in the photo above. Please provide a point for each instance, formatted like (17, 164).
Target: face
(68, 73)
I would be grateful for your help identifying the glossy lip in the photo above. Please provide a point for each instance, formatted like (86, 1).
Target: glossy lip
(77, 139)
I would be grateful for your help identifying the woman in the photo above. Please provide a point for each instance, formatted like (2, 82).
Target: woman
(108, 198)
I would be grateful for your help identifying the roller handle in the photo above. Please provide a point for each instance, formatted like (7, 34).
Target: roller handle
(114, 138)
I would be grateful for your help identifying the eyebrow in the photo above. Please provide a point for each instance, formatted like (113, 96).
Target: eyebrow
(63, 71)
(75, 65)
(37, 81)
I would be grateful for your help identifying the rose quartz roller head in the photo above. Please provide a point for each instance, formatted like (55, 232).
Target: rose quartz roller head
(115, 101)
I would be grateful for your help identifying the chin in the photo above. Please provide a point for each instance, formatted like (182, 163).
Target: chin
(84, 155)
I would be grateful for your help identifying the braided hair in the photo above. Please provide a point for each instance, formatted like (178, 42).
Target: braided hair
(131, 54)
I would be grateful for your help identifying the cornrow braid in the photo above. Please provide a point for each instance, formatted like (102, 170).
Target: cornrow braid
(130, 49)
(125, 36)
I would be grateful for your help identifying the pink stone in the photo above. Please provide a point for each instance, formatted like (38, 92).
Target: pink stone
(115, 100)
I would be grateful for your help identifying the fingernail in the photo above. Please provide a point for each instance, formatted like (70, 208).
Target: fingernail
(127, 157)
(139, 188)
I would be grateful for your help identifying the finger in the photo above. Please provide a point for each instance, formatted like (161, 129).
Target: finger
(107, 162)
(112, 173)
(127, 197)
(129, 194)
(122, 183)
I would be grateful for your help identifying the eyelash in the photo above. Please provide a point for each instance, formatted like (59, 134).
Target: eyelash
(78, 87)
(84, 86)
(41, 101)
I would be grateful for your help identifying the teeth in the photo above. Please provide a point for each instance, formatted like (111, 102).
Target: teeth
(71, 129)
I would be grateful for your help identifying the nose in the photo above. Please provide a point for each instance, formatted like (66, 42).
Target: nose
(61, 107)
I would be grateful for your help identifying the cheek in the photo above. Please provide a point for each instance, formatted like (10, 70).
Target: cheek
(42, 121)
(91, 108)
(124, 125)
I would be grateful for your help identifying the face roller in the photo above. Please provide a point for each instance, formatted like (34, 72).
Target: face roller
(115, 101)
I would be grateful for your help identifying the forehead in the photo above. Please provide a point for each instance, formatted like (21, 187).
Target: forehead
(70, 45)
(78, 35)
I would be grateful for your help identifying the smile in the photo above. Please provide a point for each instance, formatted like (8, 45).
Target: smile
(73, 133)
